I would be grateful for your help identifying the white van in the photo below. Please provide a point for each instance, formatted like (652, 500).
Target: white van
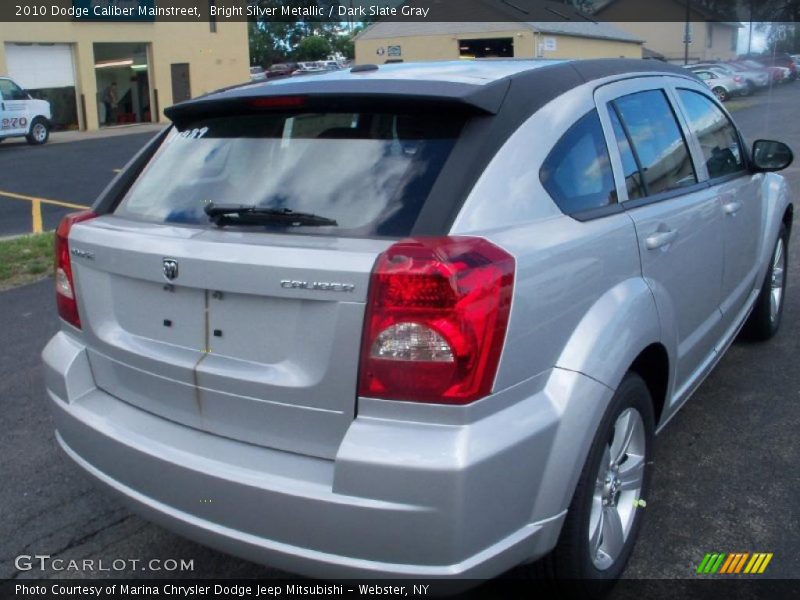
(21, 115)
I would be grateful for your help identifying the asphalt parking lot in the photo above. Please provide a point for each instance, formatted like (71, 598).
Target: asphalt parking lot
(61, 177)
(726, 467)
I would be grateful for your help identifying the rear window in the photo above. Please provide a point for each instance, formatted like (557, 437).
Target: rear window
(370, 172)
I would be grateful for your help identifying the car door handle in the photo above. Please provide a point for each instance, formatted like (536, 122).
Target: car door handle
(660, 239)
(731, 208)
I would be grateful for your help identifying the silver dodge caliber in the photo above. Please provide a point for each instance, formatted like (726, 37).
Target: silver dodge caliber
(416, 320)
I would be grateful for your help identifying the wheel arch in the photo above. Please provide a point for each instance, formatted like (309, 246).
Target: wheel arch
(621, 326)
(652, 365)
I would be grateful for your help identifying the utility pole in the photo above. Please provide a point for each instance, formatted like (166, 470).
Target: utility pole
(750, 36)
(687, 36)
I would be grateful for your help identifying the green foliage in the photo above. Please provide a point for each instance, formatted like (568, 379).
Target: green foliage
(314, 47)
(25, 259)
(273, 41)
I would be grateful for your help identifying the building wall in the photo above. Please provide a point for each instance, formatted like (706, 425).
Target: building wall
(667, 39)
(724, 40)
(417, 48)
(217, 59)
(666, 34)
(578, 47)
(445, 47)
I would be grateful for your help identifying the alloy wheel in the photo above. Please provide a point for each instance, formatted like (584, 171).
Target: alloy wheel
(39, 132)
(618, 485)
(778, 280)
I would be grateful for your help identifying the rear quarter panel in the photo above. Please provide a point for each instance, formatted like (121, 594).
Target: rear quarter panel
(579, 300)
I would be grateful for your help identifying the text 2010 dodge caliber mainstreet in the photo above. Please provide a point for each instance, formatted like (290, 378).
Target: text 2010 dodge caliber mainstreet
(414, 320)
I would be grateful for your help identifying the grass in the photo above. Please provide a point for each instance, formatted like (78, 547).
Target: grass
(25, 259)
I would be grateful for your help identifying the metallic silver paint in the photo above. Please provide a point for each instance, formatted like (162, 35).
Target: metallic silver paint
(264, 419)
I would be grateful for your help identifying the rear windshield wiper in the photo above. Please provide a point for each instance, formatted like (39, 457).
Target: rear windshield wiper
(232, 214)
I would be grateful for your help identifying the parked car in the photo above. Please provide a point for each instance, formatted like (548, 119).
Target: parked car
(780, 59)
(21, 115)
(304, 68)
(444, 354)
(756, 78)
(722, 83)
(777, 74)
(257, 74)
(332, 65)
(281, 70)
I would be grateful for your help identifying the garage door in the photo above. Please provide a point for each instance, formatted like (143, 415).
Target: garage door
(40, 66)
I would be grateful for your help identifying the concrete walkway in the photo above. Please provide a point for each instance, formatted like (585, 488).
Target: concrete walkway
(60, 137)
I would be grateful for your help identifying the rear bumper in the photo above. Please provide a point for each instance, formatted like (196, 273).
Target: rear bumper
(451, 501)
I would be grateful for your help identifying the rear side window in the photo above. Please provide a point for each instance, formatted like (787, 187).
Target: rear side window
(657, 141)
(370, 172)
(717, 136)
(577, 173)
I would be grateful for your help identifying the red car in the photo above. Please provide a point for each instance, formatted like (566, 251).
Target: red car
(781, 59)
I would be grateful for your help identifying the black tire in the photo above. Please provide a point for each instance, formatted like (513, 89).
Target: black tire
(763, 324)
(721, 93)
(751, 88)
(39, 133)
(571, 563)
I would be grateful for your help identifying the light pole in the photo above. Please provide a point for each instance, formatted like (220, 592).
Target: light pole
(687, 35)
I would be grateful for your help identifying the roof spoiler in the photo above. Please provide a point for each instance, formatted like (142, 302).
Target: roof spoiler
(344, 95)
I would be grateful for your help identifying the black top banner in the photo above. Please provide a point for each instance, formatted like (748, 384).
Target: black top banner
(400, 10)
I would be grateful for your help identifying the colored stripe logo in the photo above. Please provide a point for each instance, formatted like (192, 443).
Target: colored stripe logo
(734, 563)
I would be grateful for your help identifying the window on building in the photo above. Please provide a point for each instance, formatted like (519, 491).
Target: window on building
(486, 48)
(717, 136)
(734, 39)
(709, 35)
(577, 173)
(657, 141)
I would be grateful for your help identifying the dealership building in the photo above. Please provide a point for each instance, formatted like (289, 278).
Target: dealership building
(395, 41)
(154, 64)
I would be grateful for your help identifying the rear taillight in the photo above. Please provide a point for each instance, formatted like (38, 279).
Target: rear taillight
(65, 284)
(738, 79)
(436, 320)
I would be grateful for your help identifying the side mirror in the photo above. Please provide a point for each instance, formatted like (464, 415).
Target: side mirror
(769, 155)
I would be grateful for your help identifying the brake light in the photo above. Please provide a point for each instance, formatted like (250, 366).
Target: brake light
(65, 284)
(738, 79)
(278, 102)
(436, 320)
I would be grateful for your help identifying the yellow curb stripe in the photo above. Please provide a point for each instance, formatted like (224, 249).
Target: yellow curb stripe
(42, 200)
(741, 562)
(36, 216)
(765, 563)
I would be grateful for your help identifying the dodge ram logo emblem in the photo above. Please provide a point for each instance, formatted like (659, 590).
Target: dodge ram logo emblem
(170, 268)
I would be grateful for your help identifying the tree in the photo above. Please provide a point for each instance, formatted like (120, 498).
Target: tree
(781, 37)
(314, 47)
(280, 38)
